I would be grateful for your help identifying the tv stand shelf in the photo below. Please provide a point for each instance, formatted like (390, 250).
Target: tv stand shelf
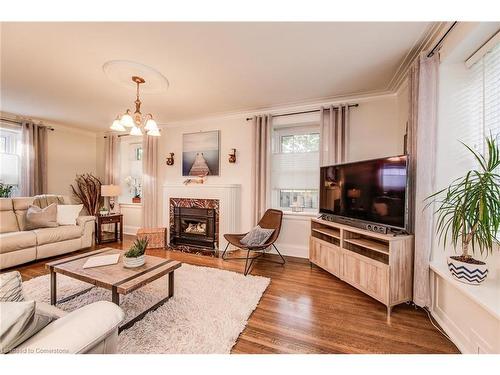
(379, 265)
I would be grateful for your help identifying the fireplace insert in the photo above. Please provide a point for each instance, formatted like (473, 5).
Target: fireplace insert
(193, 226)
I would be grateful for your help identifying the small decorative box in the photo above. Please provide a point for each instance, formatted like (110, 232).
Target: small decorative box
(156, 236)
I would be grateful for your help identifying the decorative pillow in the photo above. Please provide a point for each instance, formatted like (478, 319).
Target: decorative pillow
(11, 287)
(257, 236)
(37, 217)
(67, 213)
(20, 321)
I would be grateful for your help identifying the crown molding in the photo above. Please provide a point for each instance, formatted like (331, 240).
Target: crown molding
(424, 43)
(284, 108)
(55, 125)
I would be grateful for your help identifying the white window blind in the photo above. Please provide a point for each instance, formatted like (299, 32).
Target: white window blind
(483, 88)
(295, 167)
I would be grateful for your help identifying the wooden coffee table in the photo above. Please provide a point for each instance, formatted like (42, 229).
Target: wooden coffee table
(115, 277)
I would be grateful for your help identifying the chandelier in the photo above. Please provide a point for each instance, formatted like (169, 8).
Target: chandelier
(137, 123)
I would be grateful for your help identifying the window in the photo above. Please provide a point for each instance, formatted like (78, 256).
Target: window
(483, 88)
(295, 168)
(130, 169)
(10, 156)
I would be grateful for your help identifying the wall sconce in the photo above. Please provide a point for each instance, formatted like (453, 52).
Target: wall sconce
(232, 155)
(170, 159)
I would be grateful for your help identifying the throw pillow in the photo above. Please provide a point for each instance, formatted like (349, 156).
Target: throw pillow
(37, 217)
(11, 289)
(20, 321)
(257, 236)
(67, 213)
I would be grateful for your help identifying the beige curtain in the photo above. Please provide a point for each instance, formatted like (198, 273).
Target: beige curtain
(112, 159)
(261, 167)
(333, 127)
(422, 125)
(149, 181)
(34, 159)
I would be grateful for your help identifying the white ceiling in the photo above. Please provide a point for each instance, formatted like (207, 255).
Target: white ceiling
(54, 70)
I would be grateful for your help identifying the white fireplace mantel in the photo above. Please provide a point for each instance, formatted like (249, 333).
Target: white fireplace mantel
(229, 204)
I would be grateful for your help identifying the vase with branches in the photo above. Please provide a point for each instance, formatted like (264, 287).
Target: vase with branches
(468, 214)
(87, 190)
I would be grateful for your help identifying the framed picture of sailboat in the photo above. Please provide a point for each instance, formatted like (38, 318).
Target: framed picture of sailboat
(200, 154)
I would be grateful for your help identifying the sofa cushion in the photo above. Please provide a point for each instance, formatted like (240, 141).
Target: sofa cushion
(14, 241)
(20, 321)
(37, 217)
(62, 233)
(11, 287)
(68, 213)
(46, 200)
(8, 221)
(21, 205)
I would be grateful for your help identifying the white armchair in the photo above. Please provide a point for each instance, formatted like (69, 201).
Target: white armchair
(91, 329)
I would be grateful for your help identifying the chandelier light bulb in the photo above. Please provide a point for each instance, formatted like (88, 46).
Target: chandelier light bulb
(117, 126)
(135, 130)
(154, 132)
(127, 120)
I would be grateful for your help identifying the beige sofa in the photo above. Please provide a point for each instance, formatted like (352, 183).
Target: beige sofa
(91, 329)
(18, 246)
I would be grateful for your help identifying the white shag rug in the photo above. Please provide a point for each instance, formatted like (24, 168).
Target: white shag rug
(209, 310)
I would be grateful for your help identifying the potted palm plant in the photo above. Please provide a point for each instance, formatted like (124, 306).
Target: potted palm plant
(135, 257)
(468, 213)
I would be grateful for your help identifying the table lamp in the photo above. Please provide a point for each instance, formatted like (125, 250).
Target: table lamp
(110, 191)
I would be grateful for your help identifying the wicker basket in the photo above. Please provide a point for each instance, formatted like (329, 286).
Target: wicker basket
(156, 236)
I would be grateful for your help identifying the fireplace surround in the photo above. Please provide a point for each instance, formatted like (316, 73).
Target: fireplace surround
(194, 223)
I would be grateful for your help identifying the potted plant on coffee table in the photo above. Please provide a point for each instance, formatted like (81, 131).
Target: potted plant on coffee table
(135, 257)
(468, 213)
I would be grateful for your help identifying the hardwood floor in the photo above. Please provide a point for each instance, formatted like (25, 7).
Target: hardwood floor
(307, 310)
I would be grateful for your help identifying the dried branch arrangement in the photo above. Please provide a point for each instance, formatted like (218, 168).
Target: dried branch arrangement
(88, 192)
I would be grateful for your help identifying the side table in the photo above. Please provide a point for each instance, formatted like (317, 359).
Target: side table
(101, 220)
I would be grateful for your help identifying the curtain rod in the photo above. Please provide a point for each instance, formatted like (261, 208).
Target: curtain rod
(438, 44)
(20, 123)
(300, 113)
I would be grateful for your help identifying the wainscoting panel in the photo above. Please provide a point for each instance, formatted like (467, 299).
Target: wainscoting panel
(466, 312)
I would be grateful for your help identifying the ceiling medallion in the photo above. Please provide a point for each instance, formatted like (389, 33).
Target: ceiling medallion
(136, 122)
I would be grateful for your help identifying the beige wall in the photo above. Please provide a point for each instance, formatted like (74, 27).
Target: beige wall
(70, 152)
(376, 130)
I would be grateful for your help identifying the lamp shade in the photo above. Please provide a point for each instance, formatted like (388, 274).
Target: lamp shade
(151, 125)
(110, 190)
(126, 120)
(136, 131)
(117, 126)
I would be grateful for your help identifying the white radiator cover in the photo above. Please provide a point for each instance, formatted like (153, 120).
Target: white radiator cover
(229, 204)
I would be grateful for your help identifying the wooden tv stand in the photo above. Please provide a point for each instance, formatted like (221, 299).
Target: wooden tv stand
(379, 265)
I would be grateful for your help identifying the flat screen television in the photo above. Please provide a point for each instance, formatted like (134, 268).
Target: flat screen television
(372, 191)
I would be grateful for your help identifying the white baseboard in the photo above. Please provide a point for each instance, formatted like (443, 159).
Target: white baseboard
(128, 229)
(293, 250)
